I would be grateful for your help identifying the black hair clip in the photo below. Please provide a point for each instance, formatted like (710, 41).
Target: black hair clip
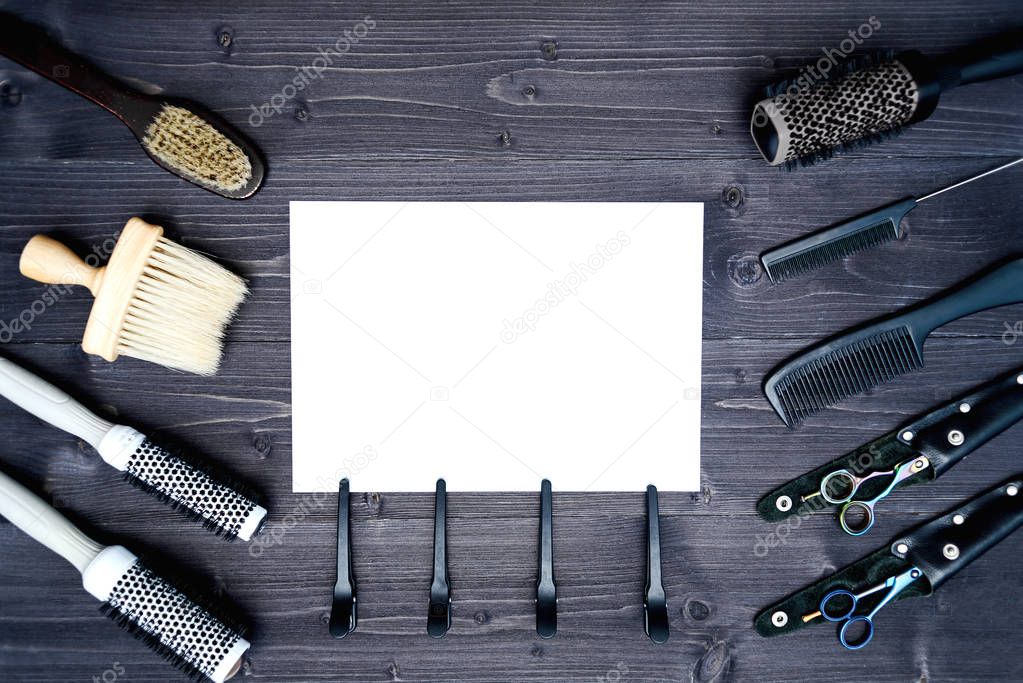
(439, 620)
(546, 590)
(655, 604)
(343, 612)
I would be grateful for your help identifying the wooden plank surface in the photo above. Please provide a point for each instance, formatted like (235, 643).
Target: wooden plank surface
(520, 101)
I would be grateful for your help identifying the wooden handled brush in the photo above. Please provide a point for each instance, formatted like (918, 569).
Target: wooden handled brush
(867, 100)
(177, 627)
(179, 135)
(155, 300)
(222, 505)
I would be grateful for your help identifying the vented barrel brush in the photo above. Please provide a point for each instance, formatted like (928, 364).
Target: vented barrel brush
(802, 121)
(179, 135)
(182, 481)
(849, 237)
(155, 299)
(176, 626)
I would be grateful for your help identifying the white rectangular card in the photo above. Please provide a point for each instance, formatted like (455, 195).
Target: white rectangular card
(496, 344)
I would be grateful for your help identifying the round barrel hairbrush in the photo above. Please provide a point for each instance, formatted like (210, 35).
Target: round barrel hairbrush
(149, 607)
(803, 121)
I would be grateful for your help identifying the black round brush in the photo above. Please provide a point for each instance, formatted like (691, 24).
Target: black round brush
(802, 121)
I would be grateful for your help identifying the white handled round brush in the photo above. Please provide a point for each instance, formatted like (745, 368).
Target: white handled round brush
(184, 483)
(161, 615)
(155, 299)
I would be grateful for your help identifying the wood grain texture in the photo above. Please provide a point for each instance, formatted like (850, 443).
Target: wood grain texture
(463, 101)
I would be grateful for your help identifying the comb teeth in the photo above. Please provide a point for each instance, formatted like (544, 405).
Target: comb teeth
(786, 267)
(846, 371)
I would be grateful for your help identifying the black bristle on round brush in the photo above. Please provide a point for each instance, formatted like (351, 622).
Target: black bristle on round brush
(870, 98)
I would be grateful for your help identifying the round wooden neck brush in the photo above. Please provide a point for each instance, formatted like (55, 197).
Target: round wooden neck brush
(868, 100)
(179, 135)
(155, 300)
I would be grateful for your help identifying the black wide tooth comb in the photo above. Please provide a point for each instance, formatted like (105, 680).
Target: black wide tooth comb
(872, 229)
(854, 362)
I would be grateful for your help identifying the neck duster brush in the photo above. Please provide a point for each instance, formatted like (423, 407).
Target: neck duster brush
(802, 121)
(155, 300)
(178, 135)
(164, 617)
(183, 482)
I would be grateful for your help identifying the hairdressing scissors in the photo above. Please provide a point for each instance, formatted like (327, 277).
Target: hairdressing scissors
(839, 488)
(831, 607)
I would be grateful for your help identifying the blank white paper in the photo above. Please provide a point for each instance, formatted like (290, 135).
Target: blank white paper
(496, 344)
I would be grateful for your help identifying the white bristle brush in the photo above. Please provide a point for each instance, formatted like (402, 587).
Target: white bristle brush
(149, 607)
(155, 300)
(185, 484)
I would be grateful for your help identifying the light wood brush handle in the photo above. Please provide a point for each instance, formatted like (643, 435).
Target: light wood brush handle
(46, 260)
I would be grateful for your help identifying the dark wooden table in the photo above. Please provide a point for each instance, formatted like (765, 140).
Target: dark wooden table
(511, 101)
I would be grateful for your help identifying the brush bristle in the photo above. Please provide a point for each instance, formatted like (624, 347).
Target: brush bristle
(844, 372)
(787, 267)
(221, 505)
(180, 307)
(193, 147)
(184, 631)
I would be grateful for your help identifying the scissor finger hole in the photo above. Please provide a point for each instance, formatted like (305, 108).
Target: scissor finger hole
(856, 632)
(838, 487)
(838, 605)
(856, 518)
